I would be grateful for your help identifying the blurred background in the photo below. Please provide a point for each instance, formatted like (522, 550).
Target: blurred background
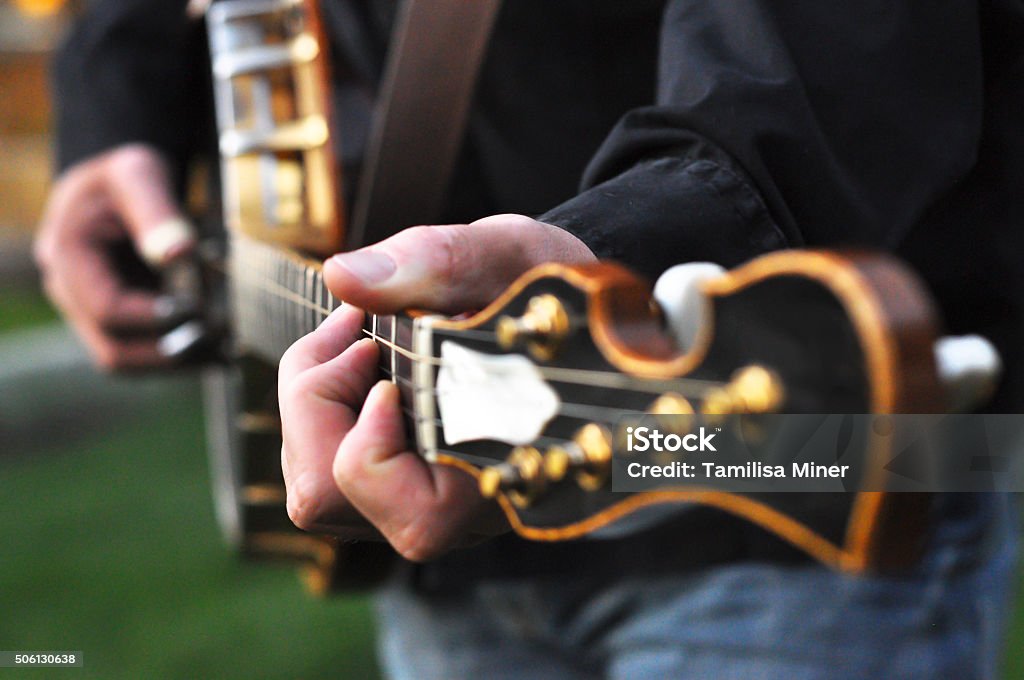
(108, 541)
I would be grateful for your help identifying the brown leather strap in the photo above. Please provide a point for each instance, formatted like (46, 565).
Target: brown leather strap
(437, 48)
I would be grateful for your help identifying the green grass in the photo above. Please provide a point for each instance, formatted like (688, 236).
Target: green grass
(23, 307)
(112, 549)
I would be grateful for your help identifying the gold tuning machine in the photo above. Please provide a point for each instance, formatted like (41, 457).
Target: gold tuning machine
(588, 455)
(673, 411)
(520, 477)
(751, 390)
(543, 327)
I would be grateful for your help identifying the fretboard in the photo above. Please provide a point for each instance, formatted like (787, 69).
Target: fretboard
(278, 296)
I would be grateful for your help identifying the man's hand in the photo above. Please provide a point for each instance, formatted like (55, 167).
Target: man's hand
(344, 454)
(123, 193)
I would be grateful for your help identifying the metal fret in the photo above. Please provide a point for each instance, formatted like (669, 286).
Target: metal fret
(294, 289)
(321, 301)
(282, 306)
(272, 303)
(297, 310)
(307, 294)
(274, 330)
(307, 312)
(289, 309)
(304, 328)
(301, 312)
(286, 307)
(394, 355)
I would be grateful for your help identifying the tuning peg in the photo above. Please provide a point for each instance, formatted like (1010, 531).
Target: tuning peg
(543, 327)
(683, 303)
(969, 368)
(758, 389)
(752, 390)
(673, 411)
(588, 454)
(519, 477)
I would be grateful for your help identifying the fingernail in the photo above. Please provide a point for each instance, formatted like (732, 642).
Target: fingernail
(166, 241)
(369, 266)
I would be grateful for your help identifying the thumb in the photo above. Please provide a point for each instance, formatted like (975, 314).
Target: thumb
(449, 268)
(139, 186)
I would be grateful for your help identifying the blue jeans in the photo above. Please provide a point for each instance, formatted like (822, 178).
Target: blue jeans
(945, 619)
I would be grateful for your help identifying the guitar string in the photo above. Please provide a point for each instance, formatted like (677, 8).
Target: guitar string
(697, 387)
(579, 376)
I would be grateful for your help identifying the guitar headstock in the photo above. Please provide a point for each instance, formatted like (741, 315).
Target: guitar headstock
(534, 394)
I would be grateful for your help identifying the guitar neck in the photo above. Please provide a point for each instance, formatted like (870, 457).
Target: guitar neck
(277, 297)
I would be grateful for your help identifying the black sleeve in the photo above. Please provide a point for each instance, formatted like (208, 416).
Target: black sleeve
(786, 124)
(130, 71)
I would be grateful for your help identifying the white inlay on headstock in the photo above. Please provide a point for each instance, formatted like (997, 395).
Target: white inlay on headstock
(487, 396)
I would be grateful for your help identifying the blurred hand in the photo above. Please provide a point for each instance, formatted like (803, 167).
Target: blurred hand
(123, 193)
(344, 455)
